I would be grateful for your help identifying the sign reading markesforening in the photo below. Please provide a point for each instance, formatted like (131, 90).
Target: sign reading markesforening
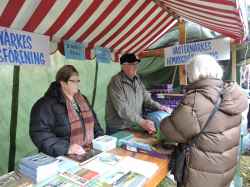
(19, 47)
(181, 54)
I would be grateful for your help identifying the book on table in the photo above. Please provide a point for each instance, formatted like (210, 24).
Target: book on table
(145, 168)
(122, 135)
(102, 163)
(131, 179)
(104, 143)
(86, 174)
(119, 171)
(14, 179)
(106, 169)
(67, 164)
(118, 177)
(84, 157)
(57, 181)
(38, 167)
(39, 161)
(69, 174)
(81, 177)
(142, 143)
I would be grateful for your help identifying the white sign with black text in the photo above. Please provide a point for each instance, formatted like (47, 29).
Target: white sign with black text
(21, 48)
(180, 54)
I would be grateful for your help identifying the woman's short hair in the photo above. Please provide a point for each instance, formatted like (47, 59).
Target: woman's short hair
(65, 72)
(203, 66)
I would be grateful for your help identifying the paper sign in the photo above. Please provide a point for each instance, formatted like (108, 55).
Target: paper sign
(181, 54)
(74, 50)
(20, 48)
(103, 55)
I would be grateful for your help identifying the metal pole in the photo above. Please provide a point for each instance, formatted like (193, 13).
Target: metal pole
(13, 119)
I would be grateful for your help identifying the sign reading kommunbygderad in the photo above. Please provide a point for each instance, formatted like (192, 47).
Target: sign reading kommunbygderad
(180, 54)
(20, 48)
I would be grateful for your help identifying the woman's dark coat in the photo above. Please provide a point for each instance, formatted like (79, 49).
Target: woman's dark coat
(49, 123)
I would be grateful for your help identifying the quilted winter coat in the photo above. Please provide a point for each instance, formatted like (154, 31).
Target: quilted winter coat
(213, 158)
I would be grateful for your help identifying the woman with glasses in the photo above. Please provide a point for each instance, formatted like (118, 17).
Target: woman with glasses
(62, 121)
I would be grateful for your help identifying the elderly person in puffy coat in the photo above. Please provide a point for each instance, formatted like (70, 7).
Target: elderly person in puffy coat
(213, 157)
(62, 121)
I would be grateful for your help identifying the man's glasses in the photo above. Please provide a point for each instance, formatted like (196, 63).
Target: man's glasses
(74, 81)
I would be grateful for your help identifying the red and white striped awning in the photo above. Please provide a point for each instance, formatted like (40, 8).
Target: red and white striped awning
(121, 25)
(228, 17)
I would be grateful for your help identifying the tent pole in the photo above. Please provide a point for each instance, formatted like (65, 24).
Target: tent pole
(182, 40)
(13, 119)
(95, 84)
(233, 61)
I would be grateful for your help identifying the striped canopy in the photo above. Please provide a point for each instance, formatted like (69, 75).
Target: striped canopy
(228, 17)
(121, 25)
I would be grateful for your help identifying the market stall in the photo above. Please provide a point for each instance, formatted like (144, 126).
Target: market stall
(121, 26)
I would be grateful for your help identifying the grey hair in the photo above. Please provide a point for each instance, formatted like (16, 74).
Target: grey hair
(203, 66)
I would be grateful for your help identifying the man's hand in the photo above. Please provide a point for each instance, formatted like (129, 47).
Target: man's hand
(76, 149)
(166, 109)
(148, 125)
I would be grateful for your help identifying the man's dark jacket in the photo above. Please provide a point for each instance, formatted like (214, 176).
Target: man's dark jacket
(49, 123)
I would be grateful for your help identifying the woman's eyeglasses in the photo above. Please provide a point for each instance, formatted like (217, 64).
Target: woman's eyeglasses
(74, 81)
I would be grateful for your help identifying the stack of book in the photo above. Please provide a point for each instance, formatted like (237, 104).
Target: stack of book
(38, 167)
(104, 143)
(122, 135)
(146, 144)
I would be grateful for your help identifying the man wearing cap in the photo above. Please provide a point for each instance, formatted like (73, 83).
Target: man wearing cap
(126, 97)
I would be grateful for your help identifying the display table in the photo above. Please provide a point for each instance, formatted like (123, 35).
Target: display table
(154, 180)
(161, 163)
(158, 174)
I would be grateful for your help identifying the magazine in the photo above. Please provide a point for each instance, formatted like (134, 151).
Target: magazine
(118, 177)
(67, 164)
(142, 167)
(102, 163)
(131, 179)
(14, 179)
(87, 174)
(57, 181)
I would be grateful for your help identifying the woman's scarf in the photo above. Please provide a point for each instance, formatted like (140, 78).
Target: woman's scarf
(81, 134)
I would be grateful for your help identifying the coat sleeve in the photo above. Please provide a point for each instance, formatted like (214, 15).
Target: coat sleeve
(119, 102)
(182, 125)
(98, 131)
(41, 121)
(248, 118)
